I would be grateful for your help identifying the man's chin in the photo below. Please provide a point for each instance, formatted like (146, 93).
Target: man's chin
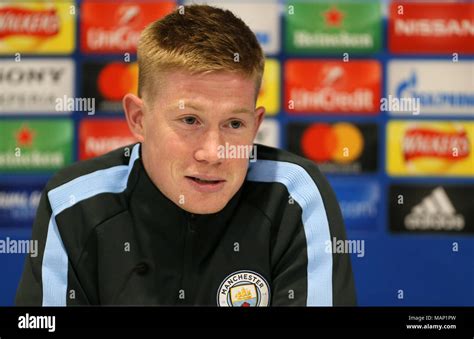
(201, 206)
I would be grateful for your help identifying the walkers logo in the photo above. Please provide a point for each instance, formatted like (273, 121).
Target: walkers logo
(334, 86)
(108, 27)
(262, 17)
(442, 87)
(359, 200)
(430, 148)
(99, 136)
(431, 27)
(18, 203)
(33, 85)
(269, 95)
(334, 27)
(36, 145)
(429, 208)
(37, 27)
(268, 133)
(108, 83)
(344, 148)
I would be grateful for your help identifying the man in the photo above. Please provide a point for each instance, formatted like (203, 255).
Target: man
(182, 218)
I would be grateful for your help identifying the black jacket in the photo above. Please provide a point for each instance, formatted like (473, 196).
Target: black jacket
(108, 236)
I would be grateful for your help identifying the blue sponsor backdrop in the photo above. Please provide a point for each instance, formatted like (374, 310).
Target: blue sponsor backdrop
(359, 202)
(18, 203)
(397, 269)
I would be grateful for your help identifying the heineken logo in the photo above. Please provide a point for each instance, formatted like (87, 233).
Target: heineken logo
(346, 26)
(333, 17)
(24, 137)
(35, 145)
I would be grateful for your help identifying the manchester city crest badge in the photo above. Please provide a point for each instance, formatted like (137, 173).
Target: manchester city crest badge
(243, 289)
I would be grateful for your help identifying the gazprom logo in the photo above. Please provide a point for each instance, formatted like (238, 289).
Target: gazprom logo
(263, 37)
(408, 88)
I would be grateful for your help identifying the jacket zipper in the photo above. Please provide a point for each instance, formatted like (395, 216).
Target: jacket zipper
(188, 281)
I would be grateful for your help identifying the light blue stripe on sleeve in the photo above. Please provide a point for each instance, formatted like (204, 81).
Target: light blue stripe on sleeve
(304, 191)
(54, 269)
(55, 259)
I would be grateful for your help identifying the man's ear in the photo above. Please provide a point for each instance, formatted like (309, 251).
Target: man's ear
(259, 115)
(134, 112)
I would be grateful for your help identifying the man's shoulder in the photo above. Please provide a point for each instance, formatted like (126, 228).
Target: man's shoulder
(300, 176)
(85, 168)
(274, 162)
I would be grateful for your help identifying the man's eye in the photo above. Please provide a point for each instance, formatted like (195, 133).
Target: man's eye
(189, 120)
(235, 124)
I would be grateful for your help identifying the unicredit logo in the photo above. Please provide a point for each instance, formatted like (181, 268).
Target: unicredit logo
(127, 14)
(22, 21)
(331, 98)
(334, 86)
(123, 37)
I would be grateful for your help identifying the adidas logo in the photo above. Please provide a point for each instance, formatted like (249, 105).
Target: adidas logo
(436, 213)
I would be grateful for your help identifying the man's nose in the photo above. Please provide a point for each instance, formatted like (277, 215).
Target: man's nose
(208, 148)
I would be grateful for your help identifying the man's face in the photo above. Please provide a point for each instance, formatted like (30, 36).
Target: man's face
(185, 125)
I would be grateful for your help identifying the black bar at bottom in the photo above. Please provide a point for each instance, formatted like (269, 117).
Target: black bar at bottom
(445, 321)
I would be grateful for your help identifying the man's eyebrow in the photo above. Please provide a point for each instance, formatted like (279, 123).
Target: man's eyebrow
(198, 107)
(192, 105)
(241, 110)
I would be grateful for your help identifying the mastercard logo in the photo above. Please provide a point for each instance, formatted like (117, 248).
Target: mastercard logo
(341, 143)
(117, 79)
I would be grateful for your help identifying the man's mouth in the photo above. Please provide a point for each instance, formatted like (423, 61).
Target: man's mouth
(205, 181)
